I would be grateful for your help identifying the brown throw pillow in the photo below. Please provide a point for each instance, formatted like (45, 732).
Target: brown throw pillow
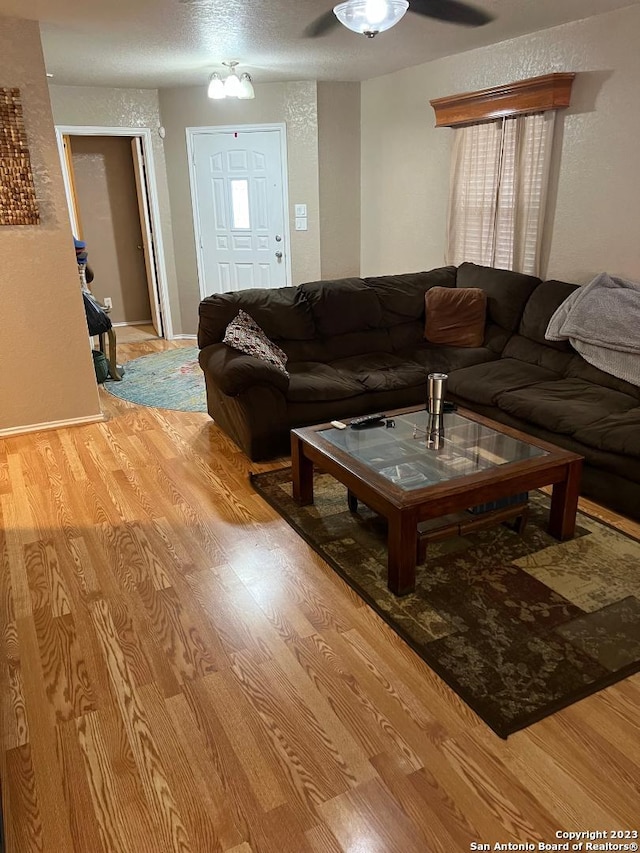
(455, 316)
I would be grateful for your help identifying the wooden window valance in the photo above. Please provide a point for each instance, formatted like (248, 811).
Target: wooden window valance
(535, 95)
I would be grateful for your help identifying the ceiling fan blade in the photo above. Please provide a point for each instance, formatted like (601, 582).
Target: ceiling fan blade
(453, 11)
(322, 25)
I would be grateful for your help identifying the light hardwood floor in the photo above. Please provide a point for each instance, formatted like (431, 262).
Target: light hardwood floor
(180, 672)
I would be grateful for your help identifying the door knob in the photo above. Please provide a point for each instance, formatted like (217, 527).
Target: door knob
(278, 255)
(278, 238)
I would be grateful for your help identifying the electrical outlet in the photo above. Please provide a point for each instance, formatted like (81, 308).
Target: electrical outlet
(108, 303)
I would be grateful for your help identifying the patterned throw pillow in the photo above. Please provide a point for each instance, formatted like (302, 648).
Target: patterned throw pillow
(244, 334)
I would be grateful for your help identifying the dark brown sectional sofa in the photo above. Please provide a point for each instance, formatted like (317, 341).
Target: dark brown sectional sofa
(357, 346)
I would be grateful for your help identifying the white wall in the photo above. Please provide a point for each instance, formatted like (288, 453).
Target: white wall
(594, 214)
(46, 369)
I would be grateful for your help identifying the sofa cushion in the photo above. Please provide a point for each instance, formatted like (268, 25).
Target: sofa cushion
(483, 383)
(349, 377)
(542, 304)
(381, 371)
(525, 349)
(313, 381)
(245, 335)
(495, 337)
(338, 346)
(436, 359)
(405, 335)
(358, 343)
(401, 297)
(564, 406)
(507, 292)
(341, 306)
(578, 368)
(617, 433)
(455, 316)
(234, 372)
(281, 312)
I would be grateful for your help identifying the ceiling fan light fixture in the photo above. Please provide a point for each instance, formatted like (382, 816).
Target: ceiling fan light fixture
(370, 17)
(246, 88)
(216, 87)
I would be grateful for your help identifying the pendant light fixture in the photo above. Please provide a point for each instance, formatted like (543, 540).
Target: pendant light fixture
(370, 17)
(232, 86)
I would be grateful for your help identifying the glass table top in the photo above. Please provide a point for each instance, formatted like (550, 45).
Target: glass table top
(403, 455)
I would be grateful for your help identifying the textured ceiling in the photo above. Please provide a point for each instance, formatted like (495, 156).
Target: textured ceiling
(157, 43)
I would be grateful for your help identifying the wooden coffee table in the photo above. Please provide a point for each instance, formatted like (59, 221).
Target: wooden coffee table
(395, 473)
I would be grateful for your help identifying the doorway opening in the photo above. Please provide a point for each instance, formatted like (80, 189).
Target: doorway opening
(111, 195)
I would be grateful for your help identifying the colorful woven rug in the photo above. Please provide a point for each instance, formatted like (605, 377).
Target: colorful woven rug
(518, 625)
(165, 380)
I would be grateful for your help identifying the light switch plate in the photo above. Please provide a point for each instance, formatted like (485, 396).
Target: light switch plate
(301, 223)
(301, 209)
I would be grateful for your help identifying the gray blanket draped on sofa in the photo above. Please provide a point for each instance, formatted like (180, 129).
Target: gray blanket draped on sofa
(602, 322)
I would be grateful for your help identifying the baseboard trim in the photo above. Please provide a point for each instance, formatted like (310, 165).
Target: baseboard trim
(72, 422)
(184, 338)
(133, 323)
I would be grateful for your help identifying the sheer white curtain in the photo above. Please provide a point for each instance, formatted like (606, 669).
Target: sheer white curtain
(498, 192)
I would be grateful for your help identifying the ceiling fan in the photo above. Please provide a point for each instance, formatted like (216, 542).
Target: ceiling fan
(371, 17)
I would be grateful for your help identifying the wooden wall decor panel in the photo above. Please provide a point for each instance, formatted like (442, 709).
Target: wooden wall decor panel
(18, 203)
(534, 95)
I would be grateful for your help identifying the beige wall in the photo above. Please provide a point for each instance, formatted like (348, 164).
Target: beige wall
(339, 178)
(292, 103)
(46, 370)
(94, 106)
(594, 218)
(108, 209)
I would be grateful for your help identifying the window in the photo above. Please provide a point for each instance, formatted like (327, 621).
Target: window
(499, 176)
(240, 203)
(500, 169)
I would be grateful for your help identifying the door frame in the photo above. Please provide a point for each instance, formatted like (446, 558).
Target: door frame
(191, 133)
(146, 139)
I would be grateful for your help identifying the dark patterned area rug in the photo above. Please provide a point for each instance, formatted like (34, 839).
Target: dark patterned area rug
(519, 626)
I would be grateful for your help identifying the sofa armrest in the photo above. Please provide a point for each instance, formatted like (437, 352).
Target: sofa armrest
(235, 372)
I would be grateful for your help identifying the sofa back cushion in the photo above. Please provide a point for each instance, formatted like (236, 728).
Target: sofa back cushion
(455, 316)
(281, 312)
(507, 292)
(338, 346)
(542, 304)
(531, 352)
(342, 305)
(401, 297)
(578, 368)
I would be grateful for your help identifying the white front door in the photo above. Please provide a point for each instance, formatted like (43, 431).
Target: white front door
(237, 185)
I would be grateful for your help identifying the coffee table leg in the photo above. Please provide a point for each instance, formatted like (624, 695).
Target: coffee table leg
(301, 473)
(564, 503)
(403, 535)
